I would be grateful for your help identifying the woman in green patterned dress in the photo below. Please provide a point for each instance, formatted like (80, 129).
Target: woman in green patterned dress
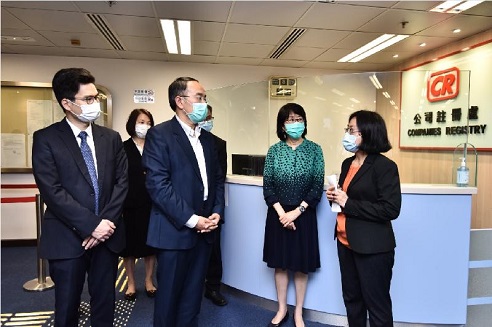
(292, 186)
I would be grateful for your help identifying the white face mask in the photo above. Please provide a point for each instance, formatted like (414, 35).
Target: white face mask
(90, 112)
(141, 130)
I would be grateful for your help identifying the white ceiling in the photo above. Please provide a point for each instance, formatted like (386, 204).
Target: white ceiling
(239, 32)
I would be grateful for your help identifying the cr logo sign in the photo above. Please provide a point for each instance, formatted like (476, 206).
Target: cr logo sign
(443, 85)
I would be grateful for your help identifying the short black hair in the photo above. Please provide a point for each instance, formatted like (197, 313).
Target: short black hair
(373, 130)
(132, 120)
(176, 88)
(283, 115)
(66, 83)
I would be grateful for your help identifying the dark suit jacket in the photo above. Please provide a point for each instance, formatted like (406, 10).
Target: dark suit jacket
(66, 188)
(374, 199)
(175, 185)
(137, 192)
(221, 147)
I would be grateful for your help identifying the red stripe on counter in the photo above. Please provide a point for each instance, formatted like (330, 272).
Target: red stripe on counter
(19, 199)
(16, 186)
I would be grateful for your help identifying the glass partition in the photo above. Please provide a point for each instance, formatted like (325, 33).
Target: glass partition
(245, 116)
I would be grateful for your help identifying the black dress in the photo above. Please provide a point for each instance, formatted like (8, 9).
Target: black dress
(290, 177)
(136, 210)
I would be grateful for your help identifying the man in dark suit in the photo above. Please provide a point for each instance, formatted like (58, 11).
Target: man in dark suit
(214, 271)
(81, 171)
(186, 186)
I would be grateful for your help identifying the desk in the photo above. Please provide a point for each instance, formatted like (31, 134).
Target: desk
(430, 275)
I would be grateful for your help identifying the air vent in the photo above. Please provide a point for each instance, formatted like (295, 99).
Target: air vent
(293, 36)
(103, 27)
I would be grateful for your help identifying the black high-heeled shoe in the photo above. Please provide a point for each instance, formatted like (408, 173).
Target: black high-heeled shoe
(284, 319)
(130, 296)
(150, 293)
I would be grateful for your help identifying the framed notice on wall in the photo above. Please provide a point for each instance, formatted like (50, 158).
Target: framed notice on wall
(26, 108)
(446, 102)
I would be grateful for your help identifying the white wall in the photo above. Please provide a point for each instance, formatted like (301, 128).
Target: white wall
(122, 77)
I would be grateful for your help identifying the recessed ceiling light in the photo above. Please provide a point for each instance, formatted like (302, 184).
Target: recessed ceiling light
(18, 38)
(456, 30)
(423, 44)
(395, 56)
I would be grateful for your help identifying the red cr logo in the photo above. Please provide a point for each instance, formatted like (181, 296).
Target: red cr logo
(443, 85)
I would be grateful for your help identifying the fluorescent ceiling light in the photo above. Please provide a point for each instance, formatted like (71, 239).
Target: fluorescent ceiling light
(169, 35)
(366, 47)
(445, 6)
(184, 31)
(372, 47)
(386, 94)
(455, 7)
(384, 45)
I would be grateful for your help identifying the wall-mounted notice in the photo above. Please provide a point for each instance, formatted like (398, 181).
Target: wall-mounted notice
(144, 96)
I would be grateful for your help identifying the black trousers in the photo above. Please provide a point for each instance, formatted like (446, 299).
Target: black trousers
(101, 266)
(366, 280)
(214, 271)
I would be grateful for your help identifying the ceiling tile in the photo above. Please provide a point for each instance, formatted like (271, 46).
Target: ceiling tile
(44, 20)
(129, 8)
(245, 50)
(238, 61)
(266, 12)
(47, 5)
(138, 43)
(332, 55)
(154, 56)
(192, 58)
(10, 21)
(301, 53)
(134, 26)
(242, 33)
(205, 48)
(208, 31)
(283, 63)
(212, 11)
(469, 25)
(335, 16)
(320, 38)
(390, 22)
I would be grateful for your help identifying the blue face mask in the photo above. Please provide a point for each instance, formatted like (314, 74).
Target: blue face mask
(294, 130)
(349, 143)
(207, 125)
(199, 113)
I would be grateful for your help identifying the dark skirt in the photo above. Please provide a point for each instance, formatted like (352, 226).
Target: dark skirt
(294, 250)
(137, 225)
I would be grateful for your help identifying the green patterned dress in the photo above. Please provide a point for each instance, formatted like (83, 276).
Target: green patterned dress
(290, 177)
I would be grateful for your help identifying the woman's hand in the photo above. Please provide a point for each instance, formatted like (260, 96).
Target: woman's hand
(338, 196)
(289, 217)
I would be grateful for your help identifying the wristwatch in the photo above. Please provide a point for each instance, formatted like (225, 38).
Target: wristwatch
(302, 208)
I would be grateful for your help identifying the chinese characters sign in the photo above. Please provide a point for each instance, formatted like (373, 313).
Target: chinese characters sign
(143, 96)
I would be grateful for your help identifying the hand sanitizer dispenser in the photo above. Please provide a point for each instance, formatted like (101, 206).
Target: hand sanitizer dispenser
(462, 174)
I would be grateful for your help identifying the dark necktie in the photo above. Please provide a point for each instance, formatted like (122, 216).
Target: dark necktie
(89, 161)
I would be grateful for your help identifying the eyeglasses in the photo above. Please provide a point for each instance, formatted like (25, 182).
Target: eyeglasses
(199, 97)
(350, 130)
(294, 120)
(90, 99)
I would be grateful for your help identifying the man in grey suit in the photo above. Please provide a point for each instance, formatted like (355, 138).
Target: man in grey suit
(186, 186)
(80, 169)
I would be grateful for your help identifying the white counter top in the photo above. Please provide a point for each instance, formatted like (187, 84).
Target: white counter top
(406, 188)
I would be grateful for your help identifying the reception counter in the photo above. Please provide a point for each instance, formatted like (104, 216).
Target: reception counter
(430, 275)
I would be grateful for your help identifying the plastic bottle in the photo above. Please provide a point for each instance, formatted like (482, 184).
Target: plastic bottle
(463, 174)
